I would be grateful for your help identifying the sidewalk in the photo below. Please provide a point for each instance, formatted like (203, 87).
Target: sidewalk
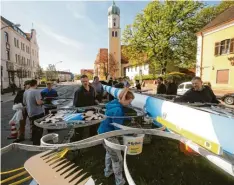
(7, 97)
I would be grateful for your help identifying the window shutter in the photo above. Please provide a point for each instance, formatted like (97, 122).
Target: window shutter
(217, 49)
(232, 46)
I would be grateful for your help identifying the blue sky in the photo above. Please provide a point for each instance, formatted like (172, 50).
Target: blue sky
(71, 32)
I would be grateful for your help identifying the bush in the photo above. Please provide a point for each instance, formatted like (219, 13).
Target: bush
(177, 76)
(146, 77)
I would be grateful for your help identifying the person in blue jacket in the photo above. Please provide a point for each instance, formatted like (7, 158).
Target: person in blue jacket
(113, 158)
(48, 94)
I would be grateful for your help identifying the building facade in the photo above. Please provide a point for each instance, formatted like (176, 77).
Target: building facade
(64, 76)
(114, 41)
(19, 54)
(132, 71)
(215, 51)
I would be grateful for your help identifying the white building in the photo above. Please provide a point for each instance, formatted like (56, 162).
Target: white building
(19, 54)
(132, 71)
(64, 76)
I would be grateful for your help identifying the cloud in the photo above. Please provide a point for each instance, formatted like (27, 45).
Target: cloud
(79, 12)
(60, 38)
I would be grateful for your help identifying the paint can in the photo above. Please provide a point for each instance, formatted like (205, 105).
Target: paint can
(134, 143)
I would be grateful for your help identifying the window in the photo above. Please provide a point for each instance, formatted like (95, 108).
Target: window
(16, 58)
(116, 35)
(181, 86)
(8, 54)
(232, 46)
(113, 33)
(128, 69)
(19, 59)
(224, 47)
(6, 36)
(21, 46)
(114, 23)
(188, 86)
(145, 66)
(222, 76)
(15, 42)
(132, 69)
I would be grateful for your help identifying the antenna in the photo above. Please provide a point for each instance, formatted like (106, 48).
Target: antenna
(32, 25)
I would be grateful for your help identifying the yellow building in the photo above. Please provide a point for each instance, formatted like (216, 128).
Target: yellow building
(215, 52)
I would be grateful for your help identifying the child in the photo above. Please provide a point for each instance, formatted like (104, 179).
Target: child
(113, 159)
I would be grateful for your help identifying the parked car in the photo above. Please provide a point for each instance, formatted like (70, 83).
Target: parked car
(228, 98)
(184, 87)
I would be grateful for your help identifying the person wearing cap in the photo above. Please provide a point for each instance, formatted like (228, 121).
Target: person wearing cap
(48, 94)
(19, 99)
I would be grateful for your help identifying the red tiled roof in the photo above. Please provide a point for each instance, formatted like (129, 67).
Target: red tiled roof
(224, 17)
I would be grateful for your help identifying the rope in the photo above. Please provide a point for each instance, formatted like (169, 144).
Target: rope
(21, 181)
(13, 177)
(11, 171)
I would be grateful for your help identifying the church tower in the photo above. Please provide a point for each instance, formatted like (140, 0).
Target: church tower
(114, 41)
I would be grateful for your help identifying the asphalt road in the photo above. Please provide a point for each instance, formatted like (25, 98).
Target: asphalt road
(15, 159)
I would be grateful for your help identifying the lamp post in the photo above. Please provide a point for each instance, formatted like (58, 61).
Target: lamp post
(56, 64)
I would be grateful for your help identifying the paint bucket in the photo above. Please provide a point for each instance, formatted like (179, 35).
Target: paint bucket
(134, 143)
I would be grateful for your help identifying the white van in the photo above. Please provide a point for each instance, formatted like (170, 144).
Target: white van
(182, 88)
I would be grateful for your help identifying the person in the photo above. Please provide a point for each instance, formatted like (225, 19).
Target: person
(113, 158)
(19, 99)
(138, 85)
(120, 83)
(85, 96)
(13, 87)
(161, 88)
(125, 82)
(98, 88)
(48, 94)
(172, 87)
(198, 93)
(115, 82)
(32, 100)
(110, 83)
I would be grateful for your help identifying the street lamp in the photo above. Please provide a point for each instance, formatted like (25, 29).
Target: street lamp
(15, 25)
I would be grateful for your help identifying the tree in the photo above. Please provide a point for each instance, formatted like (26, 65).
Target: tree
(113, 66)
(163, 31)
(51, 73)
(77, 77)
(39, 72)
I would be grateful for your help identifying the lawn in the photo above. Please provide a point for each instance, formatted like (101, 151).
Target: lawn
(161, 163)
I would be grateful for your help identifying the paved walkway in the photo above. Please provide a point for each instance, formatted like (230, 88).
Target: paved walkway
(7, 97)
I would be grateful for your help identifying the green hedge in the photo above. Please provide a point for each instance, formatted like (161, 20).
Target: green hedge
(177, 76)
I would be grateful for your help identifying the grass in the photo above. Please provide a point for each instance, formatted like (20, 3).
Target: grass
(161, 163)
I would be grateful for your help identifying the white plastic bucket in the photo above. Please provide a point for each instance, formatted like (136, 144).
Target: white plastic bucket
(134, 144)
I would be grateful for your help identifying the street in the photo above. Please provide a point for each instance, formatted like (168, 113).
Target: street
(16, 158)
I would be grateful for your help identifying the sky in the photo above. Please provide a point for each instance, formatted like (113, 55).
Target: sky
(69, 31)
